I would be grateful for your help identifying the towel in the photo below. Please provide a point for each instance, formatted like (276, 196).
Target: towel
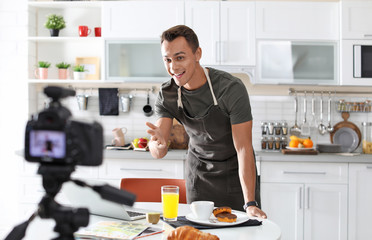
(108, 101)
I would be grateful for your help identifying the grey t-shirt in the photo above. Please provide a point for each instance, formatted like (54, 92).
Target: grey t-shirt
(231, 94)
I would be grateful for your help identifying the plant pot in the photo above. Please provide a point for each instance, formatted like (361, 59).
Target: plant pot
(41, 73)
(54, 32)
(63, 73)
(79, 75)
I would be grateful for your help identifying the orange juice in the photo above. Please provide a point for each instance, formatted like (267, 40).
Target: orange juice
(170, 205)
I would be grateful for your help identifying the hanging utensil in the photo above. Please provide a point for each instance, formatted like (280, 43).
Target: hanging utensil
(147, 109)
(329, 128)
(313, 118)
(322, 128)
(295, 130)
(305, 128)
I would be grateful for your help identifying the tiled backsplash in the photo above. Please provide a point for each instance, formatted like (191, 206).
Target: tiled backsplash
(264, 109)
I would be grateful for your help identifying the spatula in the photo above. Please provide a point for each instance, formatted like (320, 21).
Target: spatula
(305, 128)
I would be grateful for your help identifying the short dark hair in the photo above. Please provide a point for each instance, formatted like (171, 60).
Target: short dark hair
(181, 31)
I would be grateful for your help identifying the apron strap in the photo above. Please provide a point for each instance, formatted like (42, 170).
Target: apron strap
(179, 101)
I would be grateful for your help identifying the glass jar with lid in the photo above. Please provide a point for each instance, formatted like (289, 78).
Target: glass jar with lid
(277, 143)
(367, 137)
(284, 128)
(263, 128)
(264, 143)
(270, 143)
(284, 142)
(278, 128)
(271, 128)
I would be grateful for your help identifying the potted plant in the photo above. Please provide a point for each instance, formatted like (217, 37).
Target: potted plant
(55, 23)
(63, 70)
(42, 71)
(79, 72)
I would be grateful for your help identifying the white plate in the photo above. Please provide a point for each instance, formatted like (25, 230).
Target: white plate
(347, 138)
(241, 218)
(298, 149)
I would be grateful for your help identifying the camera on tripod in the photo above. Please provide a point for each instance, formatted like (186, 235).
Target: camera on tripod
(54, 138)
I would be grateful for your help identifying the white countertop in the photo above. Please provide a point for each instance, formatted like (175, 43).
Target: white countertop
(173, 154)
(321, 157)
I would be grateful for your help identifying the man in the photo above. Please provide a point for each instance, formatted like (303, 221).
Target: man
(214, 108)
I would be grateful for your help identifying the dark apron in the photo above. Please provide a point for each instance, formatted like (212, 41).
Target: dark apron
(212, 163)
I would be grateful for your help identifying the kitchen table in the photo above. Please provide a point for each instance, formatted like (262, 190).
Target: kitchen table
(43, 229)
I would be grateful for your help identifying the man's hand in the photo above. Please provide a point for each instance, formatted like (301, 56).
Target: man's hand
(253, 211)
(156, 136)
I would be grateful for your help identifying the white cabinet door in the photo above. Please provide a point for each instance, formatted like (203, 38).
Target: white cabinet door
(297, 20)
(360, 199)
(325, 211)
(204, 19)
(283, 203)
(237, 33)
(225, 31)
(140, 19)
(356, 19)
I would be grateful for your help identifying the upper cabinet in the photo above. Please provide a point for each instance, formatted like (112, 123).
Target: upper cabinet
(356, 20)
(226, 31)
(140, 19)
(297, 20)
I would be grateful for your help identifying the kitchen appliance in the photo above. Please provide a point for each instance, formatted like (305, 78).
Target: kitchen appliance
(362, 61)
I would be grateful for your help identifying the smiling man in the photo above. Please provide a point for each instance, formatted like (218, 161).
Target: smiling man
(214, 108)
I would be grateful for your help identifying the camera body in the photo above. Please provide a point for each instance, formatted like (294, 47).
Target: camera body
(53, 138)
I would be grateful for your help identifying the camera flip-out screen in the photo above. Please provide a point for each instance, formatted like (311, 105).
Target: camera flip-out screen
(47, 143)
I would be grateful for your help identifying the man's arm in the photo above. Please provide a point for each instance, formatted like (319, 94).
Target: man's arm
(160, 133)
(242, 136)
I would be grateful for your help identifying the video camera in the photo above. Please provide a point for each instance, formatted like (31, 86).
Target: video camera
(54, 138)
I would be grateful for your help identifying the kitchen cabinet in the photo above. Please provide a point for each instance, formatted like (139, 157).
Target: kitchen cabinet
(140, 19)
(307, 200)
(225, 31)
(356, 20)
(360, 198)
(297, 20)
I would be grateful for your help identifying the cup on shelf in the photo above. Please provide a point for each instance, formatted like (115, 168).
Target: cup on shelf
(97, 31)
(84, 31)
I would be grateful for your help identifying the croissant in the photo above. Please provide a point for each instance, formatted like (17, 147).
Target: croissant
(190, 233)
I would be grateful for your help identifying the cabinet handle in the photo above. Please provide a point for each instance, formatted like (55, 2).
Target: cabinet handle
(308, 198)
(300, 198)
(367, 35)
(290, 172)
(140, 169)
(369, 167)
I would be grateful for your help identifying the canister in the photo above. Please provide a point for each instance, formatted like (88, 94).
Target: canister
(367, 137)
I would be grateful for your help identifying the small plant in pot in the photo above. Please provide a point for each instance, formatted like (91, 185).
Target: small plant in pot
(63, 72)
(55, 23)
(79, 72)
(42, 71)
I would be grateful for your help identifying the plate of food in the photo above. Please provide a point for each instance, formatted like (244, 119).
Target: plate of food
(299, 149)
(222, 217)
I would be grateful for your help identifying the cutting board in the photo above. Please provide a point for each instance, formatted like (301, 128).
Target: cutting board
(302, 152)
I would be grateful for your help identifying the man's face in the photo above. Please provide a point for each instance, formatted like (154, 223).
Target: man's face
(179, 60)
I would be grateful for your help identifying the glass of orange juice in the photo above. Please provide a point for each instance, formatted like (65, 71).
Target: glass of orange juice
(170, 198)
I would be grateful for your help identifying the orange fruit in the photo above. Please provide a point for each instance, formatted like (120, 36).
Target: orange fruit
(293, 143)
(308, 143)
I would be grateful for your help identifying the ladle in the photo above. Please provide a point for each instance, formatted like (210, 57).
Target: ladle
(329, 128)
(295, 130)
(322, 128)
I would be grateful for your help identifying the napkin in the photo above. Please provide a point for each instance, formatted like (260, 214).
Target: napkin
(108, 101)
(182, 221)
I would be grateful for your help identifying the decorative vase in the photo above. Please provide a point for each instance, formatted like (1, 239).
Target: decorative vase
(63, 73)
(41, 73)
(54, 32)
(79, 75)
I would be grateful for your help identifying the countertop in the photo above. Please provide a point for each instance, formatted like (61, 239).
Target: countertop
(321, 157)
(173, 154)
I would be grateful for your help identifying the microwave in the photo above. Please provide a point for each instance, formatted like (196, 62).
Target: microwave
(362, 61)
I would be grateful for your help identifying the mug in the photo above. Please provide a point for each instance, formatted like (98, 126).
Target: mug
(84, 31)
(202, 210)
(119, 139)
(97, 31)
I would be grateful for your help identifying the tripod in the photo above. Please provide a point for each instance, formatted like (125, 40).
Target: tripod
(68, 220)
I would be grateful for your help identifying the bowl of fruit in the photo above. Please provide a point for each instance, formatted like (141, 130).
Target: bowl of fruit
(140, 144)
(298, 143)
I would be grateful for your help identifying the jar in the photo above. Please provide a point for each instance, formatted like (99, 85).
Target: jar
(270, 143)
(367, 106)
(277, 128)
(271, 128)
(367, 137)
(263, 128)
(264, 143)
(341, 105)
(284, 128)
(284, 142)
(277, 143)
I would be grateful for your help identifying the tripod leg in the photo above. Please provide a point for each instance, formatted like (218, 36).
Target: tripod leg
(19, 231)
